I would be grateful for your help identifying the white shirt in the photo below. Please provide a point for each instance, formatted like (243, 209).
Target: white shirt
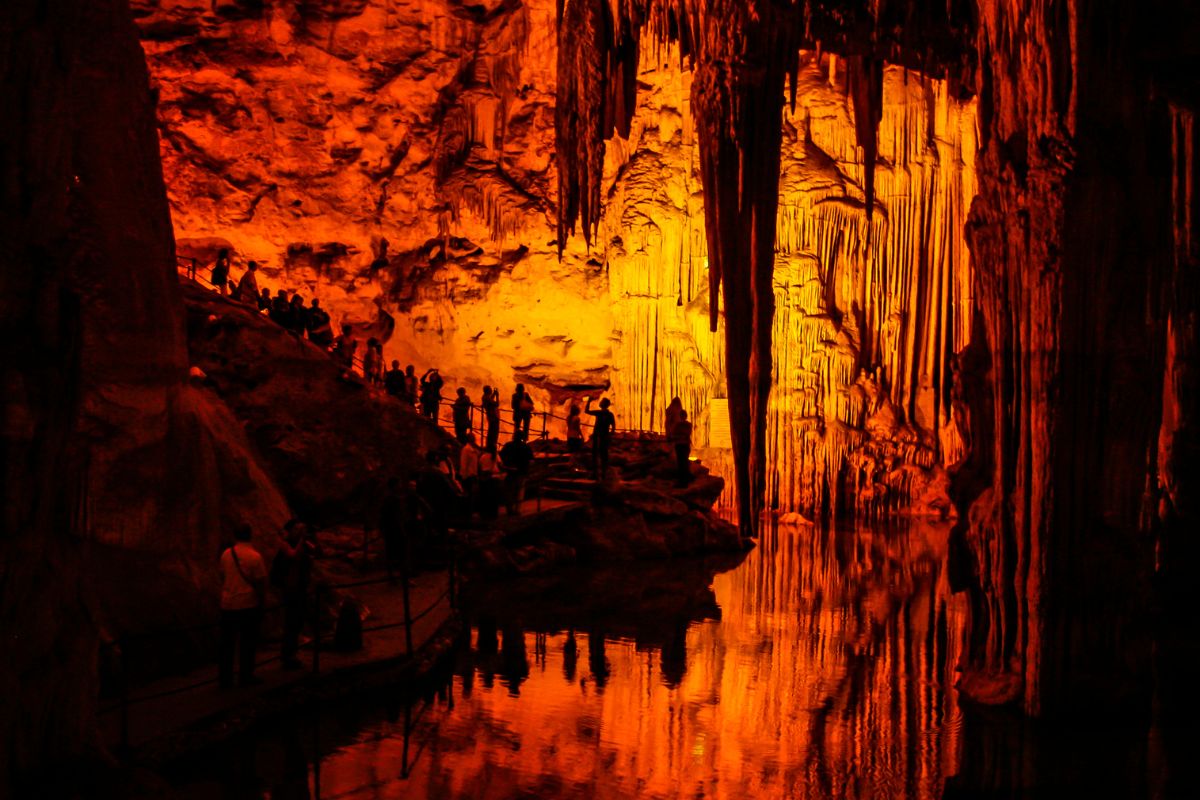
(236, 592)
(468, 463)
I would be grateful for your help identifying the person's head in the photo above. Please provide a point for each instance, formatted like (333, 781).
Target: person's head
(346, 329)
(409, 370)
(295, 529)
(675, 401)
(252, 266)
(487, 390)
(223, 253)
(682, 414)
(242, 533)
(573, 411)
(282, 293)
(605, 403)
(462, 392)
(470, 438)
(316, 303)
(265, 292)
(297, 300)
(395, 364)
(372, 342)
(520, 388)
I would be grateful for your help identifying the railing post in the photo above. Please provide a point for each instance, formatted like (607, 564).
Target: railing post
(544, 425)
(453, 571)
(316, 626)
(408, 638)
(124, 688)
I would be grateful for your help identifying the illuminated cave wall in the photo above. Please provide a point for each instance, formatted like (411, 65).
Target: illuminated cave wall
(307, 137)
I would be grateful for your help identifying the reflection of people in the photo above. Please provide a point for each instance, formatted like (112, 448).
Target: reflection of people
(674, 655)
(514, 660)
(570, 656)
(601, 436)
(597, 660)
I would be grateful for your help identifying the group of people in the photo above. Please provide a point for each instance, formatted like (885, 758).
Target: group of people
(287, 311)
(244, 582)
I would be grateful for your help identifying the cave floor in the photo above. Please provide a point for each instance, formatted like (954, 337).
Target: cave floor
(174, 714)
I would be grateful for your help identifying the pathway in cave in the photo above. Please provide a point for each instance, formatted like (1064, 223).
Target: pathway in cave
(822, 665)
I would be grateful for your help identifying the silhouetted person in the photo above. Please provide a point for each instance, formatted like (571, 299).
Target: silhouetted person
(489, 485)
(491, 412)
(681, 439)
(243, 589)
(468, 468)
(281, 308)
(344, 347)
(514, 659)
(293, 564)
(440, 490)
(515, 458)
(672, 416)
(264, 299)
(601, 436)
(393, 381)
(320, 332)
(220, 272)
(574, 430)
(431, 393)
(522, 411)
(247, 288)
(371, 360)
(411, 386)
(297, 316)
(462, 415)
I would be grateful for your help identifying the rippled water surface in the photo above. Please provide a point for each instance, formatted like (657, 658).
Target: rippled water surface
(819, 666)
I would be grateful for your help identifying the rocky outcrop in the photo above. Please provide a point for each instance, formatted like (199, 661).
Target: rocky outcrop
(328, 439)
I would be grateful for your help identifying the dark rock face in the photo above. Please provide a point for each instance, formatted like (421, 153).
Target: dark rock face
(102, 440)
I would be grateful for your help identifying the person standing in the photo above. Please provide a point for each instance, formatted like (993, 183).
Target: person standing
(220, 272)
(292, 574)
(522, 412)
(264, 300)
(672, 416)
(247, 288)
(468, 470)
(602, 432)
(515, 458)
(411, 386)
(281, 308)
(393, 380)
(243, 591)
(574, 430)
(344, 347)
(462, 415)
(319, 331)
(681, 438)
(370, 362)
(491, 410)
(431, 393)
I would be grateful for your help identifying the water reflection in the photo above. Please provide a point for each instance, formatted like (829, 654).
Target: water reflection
(820, 667)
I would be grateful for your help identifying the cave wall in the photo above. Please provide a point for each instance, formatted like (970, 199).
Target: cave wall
(432, 128)
(107, 453)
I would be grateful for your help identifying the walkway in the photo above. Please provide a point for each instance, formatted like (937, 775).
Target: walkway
(174, 713)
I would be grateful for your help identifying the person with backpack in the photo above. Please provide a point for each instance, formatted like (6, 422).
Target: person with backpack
(522, 411)
(220, 272)
(243, 596)
(291, 574)
(462, 415)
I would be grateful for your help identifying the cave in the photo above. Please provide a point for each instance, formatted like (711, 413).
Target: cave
(921, 275)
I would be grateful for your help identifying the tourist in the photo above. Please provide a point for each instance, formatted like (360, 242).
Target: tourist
(431, 393)
(393, 380)
(489, 485)
(220, 272)
(281, 308)
(291, 573)
(411, 386)
(491, 410)
(672, 416)
(681, 439)
(243, 591)
(602, 432)
(298, 316)
(320, 332)
(344, 347)
(522, 411)
(439, 489)
(247, 288)
(264, 299)
(462, 415)
(468, 468)
(515, 458)
(574, 430)
(371, 360)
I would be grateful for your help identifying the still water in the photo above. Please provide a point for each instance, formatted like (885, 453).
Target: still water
(821, 665)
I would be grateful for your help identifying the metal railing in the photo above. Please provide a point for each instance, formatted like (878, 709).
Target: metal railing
(321, 591)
